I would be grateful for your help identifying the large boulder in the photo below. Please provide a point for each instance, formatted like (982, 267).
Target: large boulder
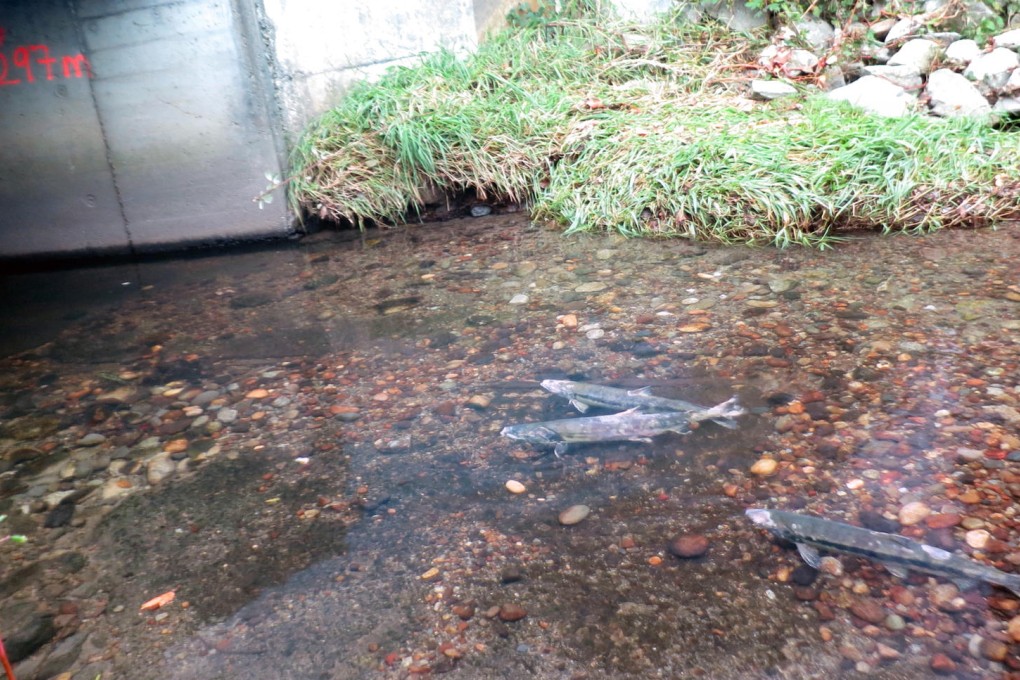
(994, 68)
(951, 95)
(877, 96)
(917, 54)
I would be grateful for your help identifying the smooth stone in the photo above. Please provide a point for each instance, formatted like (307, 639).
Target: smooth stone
(519, 299)
(689, 545)
(159, 468)
(765, 467)
(513, 486)
(913, 513)
(574, 514)
(92, 439)
(226, 415)
(479, 402)
(977, 538)
(591, 287)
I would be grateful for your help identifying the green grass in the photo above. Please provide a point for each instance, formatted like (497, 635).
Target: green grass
(603, 127)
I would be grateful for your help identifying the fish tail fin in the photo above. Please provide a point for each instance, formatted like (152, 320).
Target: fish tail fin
(722, 414)
(1010, 582)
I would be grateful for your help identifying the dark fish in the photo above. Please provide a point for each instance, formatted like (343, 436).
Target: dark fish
(897, 553)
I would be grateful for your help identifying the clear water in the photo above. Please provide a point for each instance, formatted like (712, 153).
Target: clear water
(303, 444)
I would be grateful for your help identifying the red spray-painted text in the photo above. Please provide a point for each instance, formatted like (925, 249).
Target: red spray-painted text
(29, 63)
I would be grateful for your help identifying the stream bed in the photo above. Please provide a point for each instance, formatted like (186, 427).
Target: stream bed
(303, 445)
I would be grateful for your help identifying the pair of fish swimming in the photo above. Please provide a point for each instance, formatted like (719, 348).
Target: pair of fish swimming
(643, 416)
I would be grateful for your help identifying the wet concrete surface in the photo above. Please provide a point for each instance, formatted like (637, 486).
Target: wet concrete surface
(304, 446)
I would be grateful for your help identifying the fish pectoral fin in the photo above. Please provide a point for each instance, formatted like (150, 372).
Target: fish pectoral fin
(643, 392)
(897, 570)
(643, 440)
(809, 555)
(680, 429)
(579, 405)
(560, 449)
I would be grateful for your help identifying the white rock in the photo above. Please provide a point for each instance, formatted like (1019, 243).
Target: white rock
(519, 299)
(907, 77)
(962, 52)
(913, 513)
(574, 514)
(951, 95)
(918, 54)
(977, 538)
(993, 69)
(902, 28)
(1013, 84)
(875, 95)
(159, 468)
(1009, 39)
(768, 90)
(973, 15)
(736, 16)
(801, 61)
(817, 33)
(1007, 105)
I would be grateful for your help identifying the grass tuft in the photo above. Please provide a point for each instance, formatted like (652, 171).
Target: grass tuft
(598, 125)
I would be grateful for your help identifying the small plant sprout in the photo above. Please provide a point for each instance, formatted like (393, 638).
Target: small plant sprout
(266, 197)
(14, 538)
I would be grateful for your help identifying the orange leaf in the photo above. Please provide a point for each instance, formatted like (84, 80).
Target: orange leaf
(158, 601)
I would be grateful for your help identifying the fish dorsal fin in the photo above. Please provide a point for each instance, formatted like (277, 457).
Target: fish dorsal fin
(809, 555)
(897, 570)
(579, 405)
(936, 553)
(643, 392)
(902, 540)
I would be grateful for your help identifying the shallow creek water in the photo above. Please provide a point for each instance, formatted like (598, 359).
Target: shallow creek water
(303, 444)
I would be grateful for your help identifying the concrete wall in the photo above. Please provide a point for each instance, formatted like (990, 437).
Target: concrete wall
(164, 145)
(321, 48)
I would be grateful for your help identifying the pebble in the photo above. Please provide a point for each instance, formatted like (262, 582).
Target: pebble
(1013, 629)
(591, 287)
(511, 612)
(479, 402)
(942, 664)
(519, 299)
(513, 486)
(92, 439)
(574, 514)
(765, 467)
(913, 513)
(894, 622)
(868, 610)
(226, 415)
(159, 468)
(595, 333)
(257, 394)
(977, 538)
(946, 596)
(688, 545)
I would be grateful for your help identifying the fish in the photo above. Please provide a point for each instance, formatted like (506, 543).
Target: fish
(898, 554)
(584, 395)
(630, 425)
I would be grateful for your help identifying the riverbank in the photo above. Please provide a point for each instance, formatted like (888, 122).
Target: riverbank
(646, 131)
